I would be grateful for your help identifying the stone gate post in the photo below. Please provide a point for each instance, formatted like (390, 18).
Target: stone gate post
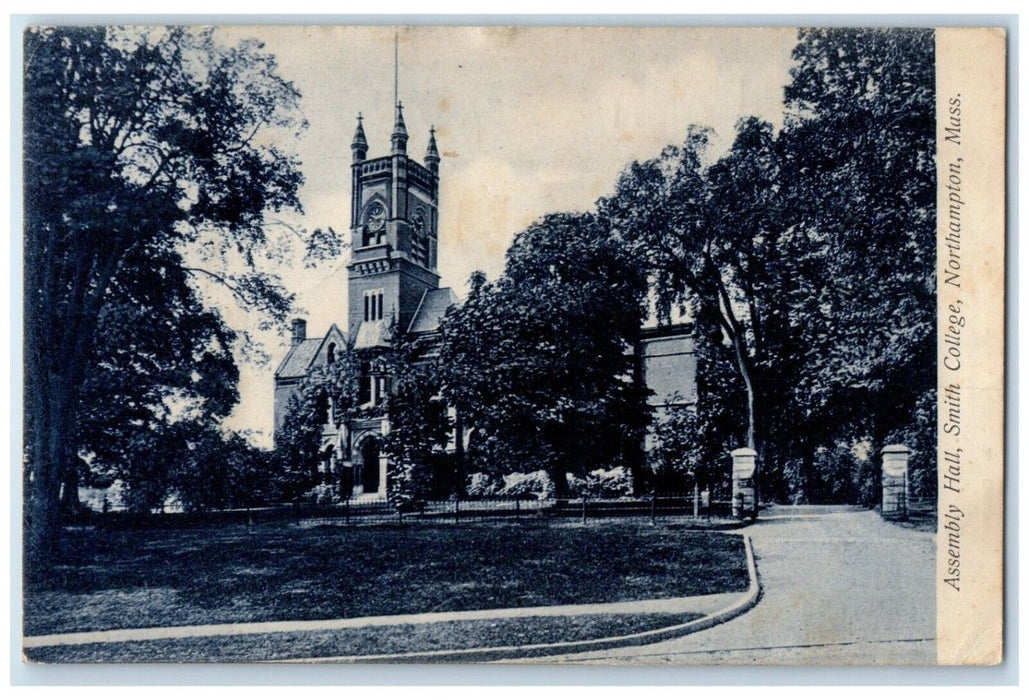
(383, 461)
(895, 482)
(744, 493)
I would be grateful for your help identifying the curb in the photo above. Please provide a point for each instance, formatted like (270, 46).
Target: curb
(748, 601)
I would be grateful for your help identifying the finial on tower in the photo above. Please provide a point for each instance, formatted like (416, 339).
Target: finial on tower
(432, 153)
(359, 146)
(396, 67)
(399, 132)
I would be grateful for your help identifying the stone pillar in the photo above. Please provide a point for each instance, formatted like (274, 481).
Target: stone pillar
(383, 460)
(744, 493)
(895, 482)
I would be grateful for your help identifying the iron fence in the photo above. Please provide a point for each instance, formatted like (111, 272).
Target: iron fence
(655, 507)
(376, 508)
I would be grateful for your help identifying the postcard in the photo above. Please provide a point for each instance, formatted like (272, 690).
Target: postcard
(578, 345)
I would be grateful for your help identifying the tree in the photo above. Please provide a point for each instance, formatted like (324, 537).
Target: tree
(419, 424)
(213, 470)
(538, 362)
(859, 164)
(134, 140)
(328, 395)
(159, 358)
(711, 235)
(692, 442)
(813, 248)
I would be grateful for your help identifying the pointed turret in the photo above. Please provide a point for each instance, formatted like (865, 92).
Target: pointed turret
(432, 153)
(399, 132)
(359, 146)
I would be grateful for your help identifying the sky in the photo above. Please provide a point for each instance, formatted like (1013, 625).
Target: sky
(529, 121)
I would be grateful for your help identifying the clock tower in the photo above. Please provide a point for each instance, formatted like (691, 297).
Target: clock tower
(393, 235)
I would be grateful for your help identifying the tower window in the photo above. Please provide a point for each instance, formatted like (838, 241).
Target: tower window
(373, 305)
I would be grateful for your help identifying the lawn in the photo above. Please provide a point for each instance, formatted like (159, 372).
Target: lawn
(139, 578)
(394, 639)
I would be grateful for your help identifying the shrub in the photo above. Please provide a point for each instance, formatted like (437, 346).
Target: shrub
(537, 483)
(483, 484)
(323, 494)
(612, 483)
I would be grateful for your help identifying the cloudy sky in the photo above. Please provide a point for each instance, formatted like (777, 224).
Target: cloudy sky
(528, 120)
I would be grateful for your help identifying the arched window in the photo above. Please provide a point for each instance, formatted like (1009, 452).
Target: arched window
(331, 354)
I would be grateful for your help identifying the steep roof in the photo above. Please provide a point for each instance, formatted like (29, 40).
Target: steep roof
(301, 356)
(433, 305)
(372, 334)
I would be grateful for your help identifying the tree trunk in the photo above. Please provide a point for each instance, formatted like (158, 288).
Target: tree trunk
(560, 479)
(50, 435)
(70, 504)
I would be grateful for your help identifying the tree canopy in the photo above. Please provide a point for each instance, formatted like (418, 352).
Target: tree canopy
(138, 143)
(538, 363)
(813, 248)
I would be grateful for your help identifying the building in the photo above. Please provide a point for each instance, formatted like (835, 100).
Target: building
(393, 274)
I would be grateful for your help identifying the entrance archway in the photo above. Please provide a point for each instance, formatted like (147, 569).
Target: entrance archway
(368, 471)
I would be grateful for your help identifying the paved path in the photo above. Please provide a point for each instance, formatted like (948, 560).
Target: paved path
(839, 587)
(698, 605)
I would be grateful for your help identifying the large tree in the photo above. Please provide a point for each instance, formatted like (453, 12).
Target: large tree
(159, 358)
(419, 423)
(711, 236)
(813, 247)
(859, 167)
(134, 139)
(537, 363)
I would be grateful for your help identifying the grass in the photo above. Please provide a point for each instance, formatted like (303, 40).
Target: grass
(473, 634)
(124, 579)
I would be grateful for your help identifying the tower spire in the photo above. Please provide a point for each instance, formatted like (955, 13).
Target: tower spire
(399, 132)
(432, 153)
(359, 146)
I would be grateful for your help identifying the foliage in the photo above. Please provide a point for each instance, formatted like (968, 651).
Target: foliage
(323, 244)
(538, 484)
(214, 471)
(609, 483)
(328, 395)
(483, 484)
(919, 435)
(135, 140)
(419, 426)
(859, 155)
(709, 232)
(809, 256)
(536, 363)
(159, 359)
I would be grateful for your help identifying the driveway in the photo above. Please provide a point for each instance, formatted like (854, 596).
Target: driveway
(839, 586)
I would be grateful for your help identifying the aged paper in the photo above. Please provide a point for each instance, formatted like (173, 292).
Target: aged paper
(522, 344)
(971, 95)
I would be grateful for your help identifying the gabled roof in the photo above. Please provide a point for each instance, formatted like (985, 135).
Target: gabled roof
(372, 334)
(431, 308)
(301, 356)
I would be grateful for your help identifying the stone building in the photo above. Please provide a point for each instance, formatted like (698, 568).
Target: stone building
(393, 274)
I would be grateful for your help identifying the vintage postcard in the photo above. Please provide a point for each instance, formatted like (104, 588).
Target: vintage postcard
(601, 345)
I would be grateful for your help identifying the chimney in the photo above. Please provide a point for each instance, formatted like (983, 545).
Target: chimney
(299, 331)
